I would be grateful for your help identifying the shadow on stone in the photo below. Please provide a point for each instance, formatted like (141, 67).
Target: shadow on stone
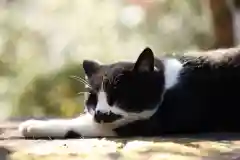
(4, 153)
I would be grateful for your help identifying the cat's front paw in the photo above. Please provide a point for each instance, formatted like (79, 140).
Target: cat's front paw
(31, 128)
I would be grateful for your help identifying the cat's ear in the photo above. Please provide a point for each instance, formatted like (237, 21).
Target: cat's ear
(90, 67)
(145, 61)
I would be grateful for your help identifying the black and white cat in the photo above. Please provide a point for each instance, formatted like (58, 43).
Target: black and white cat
(153, 97)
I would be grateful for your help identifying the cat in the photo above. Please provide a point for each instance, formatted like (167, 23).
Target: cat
(152, 97)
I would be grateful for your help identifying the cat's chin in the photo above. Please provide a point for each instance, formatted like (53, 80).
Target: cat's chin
(109, 117)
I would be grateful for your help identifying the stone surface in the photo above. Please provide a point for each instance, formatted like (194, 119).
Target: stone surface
(204, 147)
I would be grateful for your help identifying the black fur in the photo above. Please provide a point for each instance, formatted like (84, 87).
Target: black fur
(107, 118)
(205, 99)
(72, 135)
(135, 87)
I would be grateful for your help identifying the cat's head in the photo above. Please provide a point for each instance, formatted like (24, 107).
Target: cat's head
(124, 91)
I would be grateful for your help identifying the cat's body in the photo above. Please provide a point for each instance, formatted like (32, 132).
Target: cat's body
(154, 97)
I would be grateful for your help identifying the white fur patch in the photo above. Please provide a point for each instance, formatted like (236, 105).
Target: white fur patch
(128, 117)
(83, 125)
(172, 70)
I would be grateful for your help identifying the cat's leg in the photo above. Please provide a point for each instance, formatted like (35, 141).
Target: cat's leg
(84, 126)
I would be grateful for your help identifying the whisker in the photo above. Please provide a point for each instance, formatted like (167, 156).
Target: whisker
(79, 93)
(81, 80)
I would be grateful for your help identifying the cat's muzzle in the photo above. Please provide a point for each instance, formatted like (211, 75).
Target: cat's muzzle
(109, 117)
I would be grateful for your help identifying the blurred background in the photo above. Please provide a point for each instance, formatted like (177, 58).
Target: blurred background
(43, 43)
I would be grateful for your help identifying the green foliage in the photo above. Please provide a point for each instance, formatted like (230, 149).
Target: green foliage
(42, 44)
(53, 94)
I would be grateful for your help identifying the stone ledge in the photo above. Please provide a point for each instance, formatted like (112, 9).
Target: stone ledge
(14, 147)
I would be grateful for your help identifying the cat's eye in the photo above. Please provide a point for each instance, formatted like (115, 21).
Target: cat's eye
(116, 81)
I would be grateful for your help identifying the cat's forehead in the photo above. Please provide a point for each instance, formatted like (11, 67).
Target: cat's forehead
(117, 68)
(109, 71)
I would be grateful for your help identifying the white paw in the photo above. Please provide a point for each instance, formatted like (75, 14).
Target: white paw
(30, 128)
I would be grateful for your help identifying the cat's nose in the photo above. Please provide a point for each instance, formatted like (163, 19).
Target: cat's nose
(102, 117)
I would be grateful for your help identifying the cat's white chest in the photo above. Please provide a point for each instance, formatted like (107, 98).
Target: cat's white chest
(171, 72)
